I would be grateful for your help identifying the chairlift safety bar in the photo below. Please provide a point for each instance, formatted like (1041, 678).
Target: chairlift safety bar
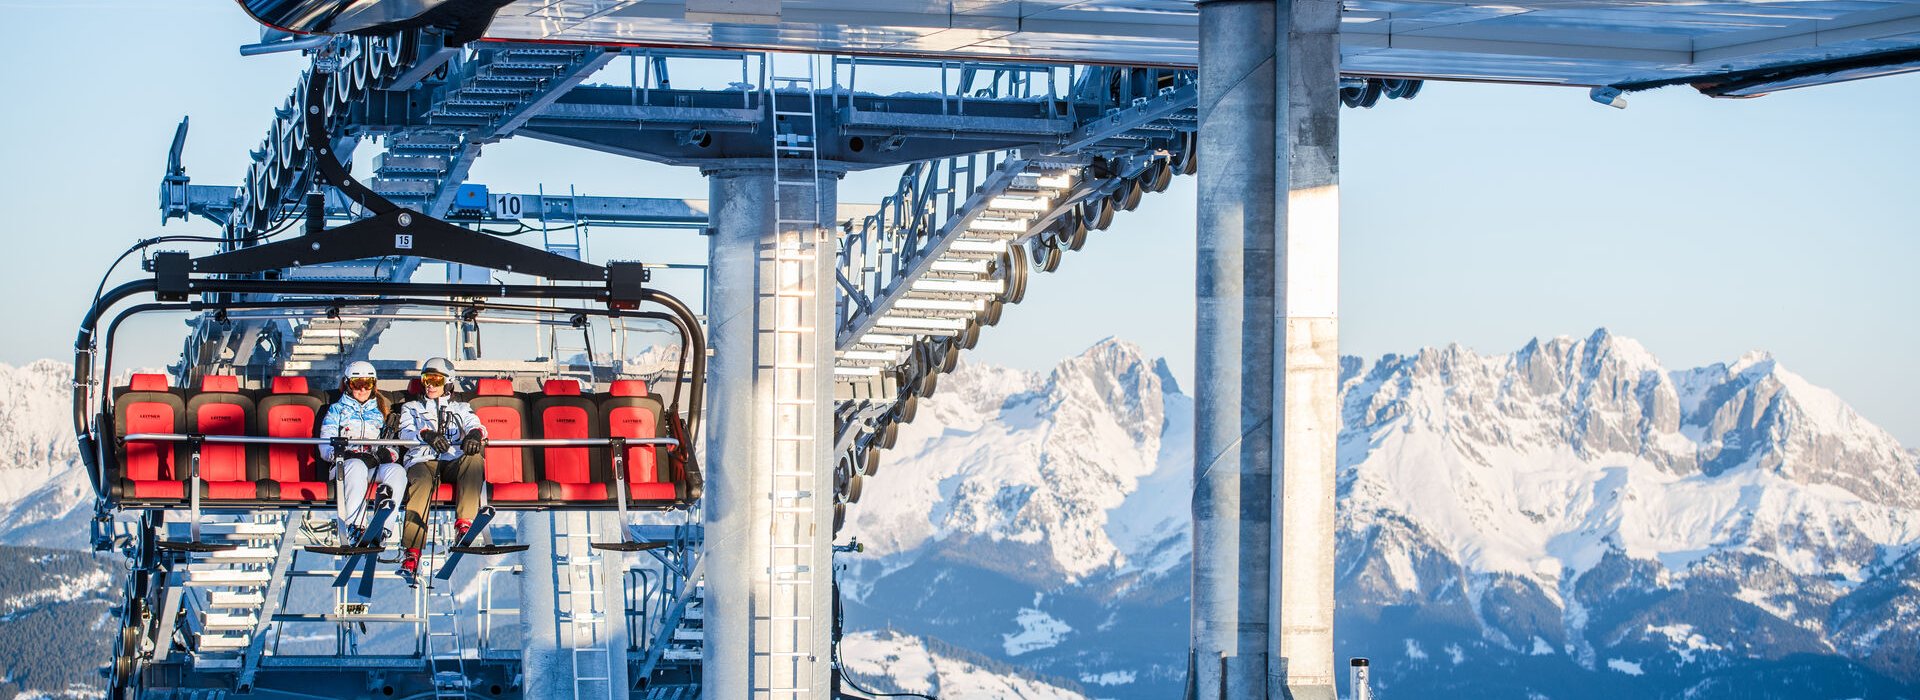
(517, 442)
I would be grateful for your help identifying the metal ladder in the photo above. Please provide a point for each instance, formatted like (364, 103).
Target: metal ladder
(446, 654)
(585, 614)
(796, 360)
(569, 240)
(574, 243)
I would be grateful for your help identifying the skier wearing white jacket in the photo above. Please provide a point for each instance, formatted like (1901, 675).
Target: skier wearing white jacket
(452, 446)
(362, 413)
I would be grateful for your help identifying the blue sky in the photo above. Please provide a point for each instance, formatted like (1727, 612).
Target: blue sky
(1478, 214)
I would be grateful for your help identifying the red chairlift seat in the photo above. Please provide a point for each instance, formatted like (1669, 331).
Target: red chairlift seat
(147, 471)
(292, 472)
(219, 408)
(510, 475)
(628, 411)
(568, 474)
(269, 476)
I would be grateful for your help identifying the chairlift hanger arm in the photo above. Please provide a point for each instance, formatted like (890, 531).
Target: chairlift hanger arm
(393, 230)
(401, 232)
(95, 451)
(92, 455)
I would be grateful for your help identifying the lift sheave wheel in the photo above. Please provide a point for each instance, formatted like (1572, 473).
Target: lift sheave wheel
(1125, 198)
(1013, 267)
(1073, 233)
(1047, 258)
(1158, 176)
(1098, 213)
(908, 407)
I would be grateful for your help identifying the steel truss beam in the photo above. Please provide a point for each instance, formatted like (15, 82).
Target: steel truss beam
(691, 127)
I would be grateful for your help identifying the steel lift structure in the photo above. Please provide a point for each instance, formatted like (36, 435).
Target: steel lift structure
(1022, 129)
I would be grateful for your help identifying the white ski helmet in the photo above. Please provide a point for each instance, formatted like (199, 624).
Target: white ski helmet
(361, 369)
(438, 364)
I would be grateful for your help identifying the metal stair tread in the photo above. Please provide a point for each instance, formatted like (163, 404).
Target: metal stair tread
(243, 530)
(228, 622)
(223, 642)
(235, 600)
(241, 555)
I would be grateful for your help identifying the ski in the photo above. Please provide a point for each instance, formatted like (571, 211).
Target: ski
(466, 545)
(343, 551)
(368, 562)
(367, 548)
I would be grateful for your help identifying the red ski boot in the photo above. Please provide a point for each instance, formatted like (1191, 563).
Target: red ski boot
(410, 566)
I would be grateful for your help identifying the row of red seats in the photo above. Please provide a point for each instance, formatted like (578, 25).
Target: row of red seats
(156, 473)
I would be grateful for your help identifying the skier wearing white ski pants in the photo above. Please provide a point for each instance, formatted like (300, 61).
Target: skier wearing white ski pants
(361, 413)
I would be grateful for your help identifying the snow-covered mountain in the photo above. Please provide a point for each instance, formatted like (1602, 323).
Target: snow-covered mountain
(44, 495)
(1067, 470)
(1571, 519)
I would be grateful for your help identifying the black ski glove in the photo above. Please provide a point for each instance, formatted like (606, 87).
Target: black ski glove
(474, 443)
(436, 441)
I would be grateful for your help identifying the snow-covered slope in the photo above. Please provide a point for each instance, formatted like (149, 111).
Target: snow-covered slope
(44, 494)
(1052, 467)
(890, 662)
(1572, 505)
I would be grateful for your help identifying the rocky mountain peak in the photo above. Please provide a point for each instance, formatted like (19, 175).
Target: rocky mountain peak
(1025, 467)
(35, 415)
(1755, 361)
(1115, 379)
(43, 489)
(1572, 504)
(1606, 396)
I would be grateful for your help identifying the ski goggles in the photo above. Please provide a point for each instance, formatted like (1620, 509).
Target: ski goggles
(358, 383)
(433, 379)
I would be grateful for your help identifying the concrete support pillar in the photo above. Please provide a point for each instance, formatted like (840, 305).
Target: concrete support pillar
(1234, 348)
(542, 668)
(748, 613)
(741, 218)
(572, 606)
(1307, 370)
(1266, 353)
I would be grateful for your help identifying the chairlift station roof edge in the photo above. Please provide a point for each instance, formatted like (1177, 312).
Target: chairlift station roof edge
(1566, 42)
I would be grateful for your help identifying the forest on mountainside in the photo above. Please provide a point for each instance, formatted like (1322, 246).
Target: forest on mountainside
(56, 622)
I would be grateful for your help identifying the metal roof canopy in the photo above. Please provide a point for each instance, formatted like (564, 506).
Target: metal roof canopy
(1571, 42)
